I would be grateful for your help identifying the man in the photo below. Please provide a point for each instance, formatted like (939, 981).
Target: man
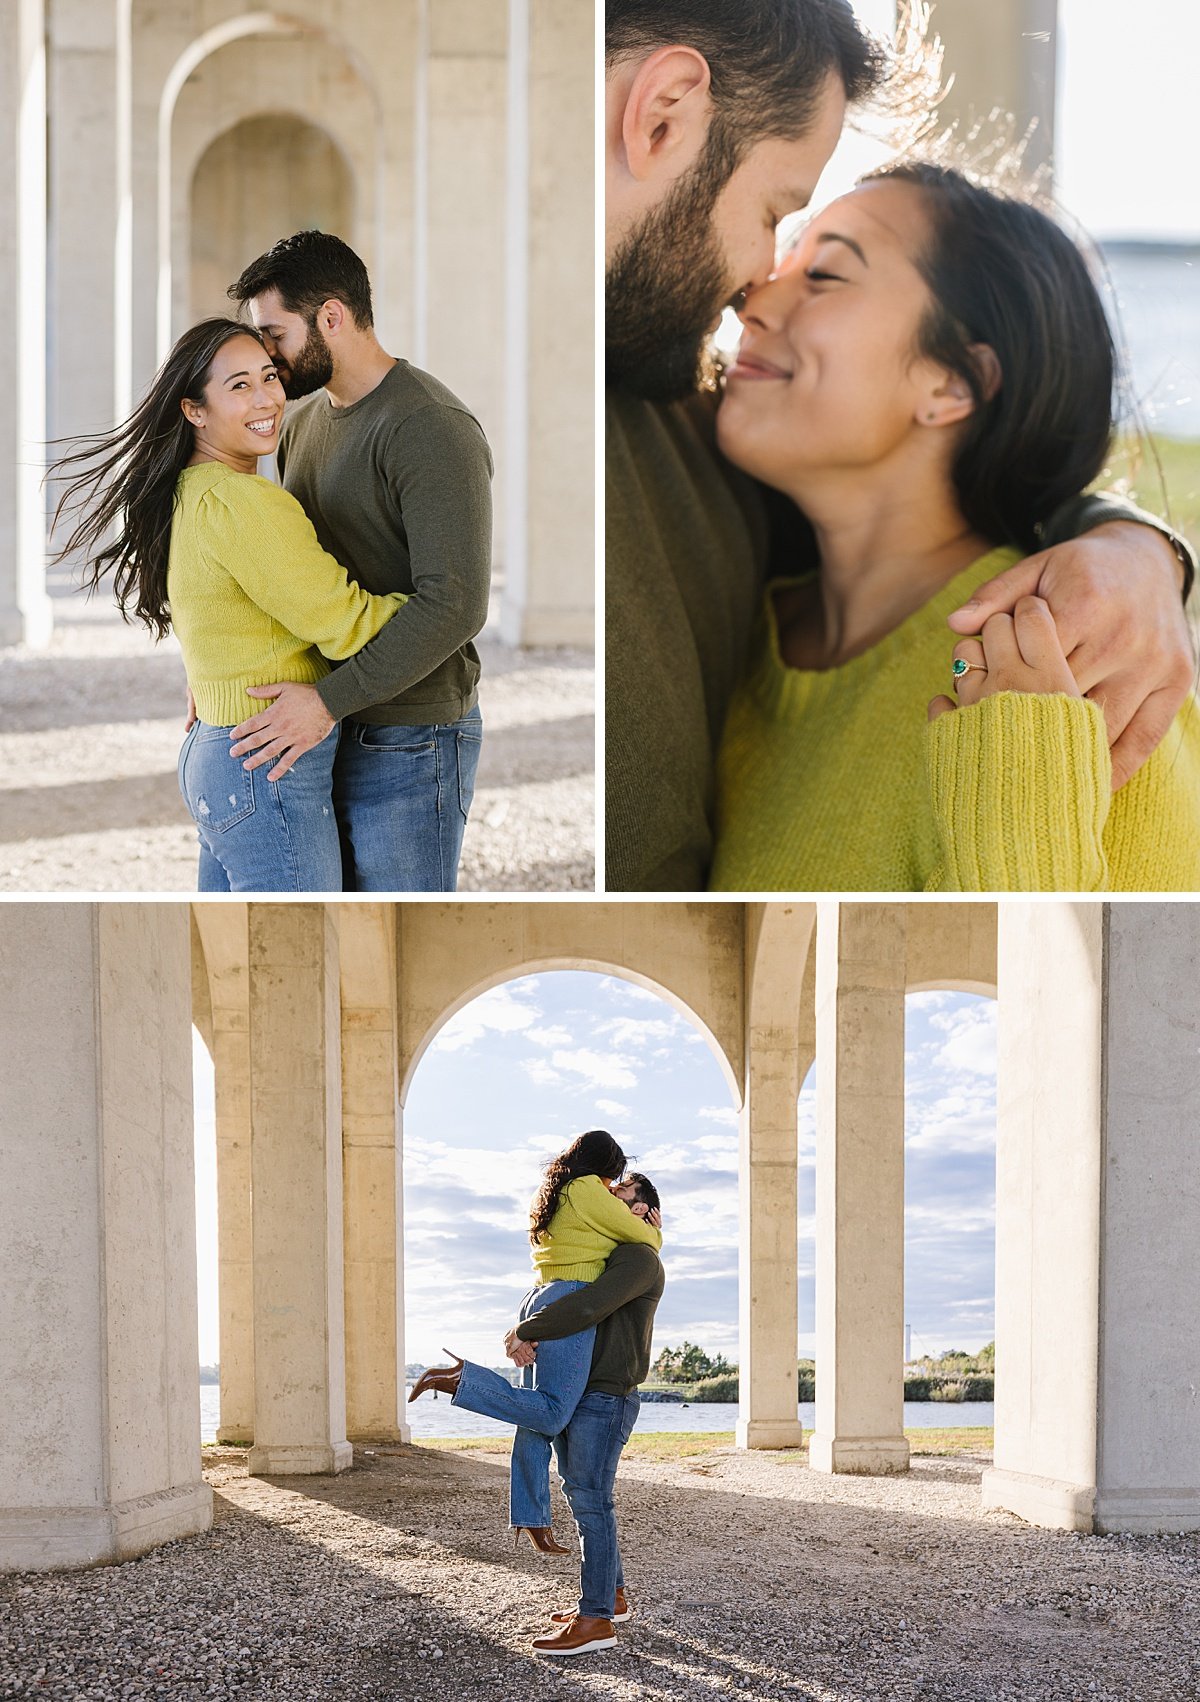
(719, 121)
(621, 1303)
(394, 472)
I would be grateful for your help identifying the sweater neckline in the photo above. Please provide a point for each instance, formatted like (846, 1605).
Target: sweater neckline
(783, 688)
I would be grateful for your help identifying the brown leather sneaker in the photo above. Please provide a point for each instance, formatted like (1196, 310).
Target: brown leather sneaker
(581, 1637)
(621, 1612)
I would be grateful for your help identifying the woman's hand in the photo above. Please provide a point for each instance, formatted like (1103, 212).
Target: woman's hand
(1020, 652)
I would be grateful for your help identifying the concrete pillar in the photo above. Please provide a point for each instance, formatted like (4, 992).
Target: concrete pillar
(81, 292)
(551, 378)
(100, 1446)
(1002, 58)
(461, 215)
(1098, 1218)
(860, 1189)
(777, 944)
(296, 1168)
(371, 1157)
(25, 614)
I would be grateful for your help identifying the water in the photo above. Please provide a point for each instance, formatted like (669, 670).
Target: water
(429, 1417)
(1158, 297)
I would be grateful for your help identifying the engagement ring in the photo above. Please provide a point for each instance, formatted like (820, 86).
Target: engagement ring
(962, 667)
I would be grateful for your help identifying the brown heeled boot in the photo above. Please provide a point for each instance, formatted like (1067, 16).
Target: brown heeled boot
(541, 1536)
(443, 1378)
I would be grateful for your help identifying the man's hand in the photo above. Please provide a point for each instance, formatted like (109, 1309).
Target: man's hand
(520, 1352)
(294, 723)
(1115, 598)
(191, 712)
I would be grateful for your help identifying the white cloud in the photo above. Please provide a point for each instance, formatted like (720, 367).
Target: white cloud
(720, 1114)
(599, 1069)
(540, 1073)
(500, 1010)
(554, 1035)
(640, 1031)
(613, 1107)
(615, 987)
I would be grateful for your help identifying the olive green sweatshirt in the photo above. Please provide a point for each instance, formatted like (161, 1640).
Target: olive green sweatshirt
(621, 1304)
(398, 488)
(689, 541)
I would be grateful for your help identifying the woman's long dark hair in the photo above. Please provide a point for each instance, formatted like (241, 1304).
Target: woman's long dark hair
(593, 1154)
(1002, 272)
(124, 481)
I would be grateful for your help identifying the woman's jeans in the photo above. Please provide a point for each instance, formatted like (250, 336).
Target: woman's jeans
(260, 835)
(560, 1375)
(586, 1455)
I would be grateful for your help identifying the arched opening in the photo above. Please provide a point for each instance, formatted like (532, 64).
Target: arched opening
(204, 1108)
(268, 175)
(506, 1081)
(949, 1205)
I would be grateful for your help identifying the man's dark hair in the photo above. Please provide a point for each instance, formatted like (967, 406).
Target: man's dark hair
(768, 59)
(308, 269)
(647, 1193)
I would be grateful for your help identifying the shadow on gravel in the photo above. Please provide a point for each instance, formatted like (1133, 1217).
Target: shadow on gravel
(92, 806)
(44, 693)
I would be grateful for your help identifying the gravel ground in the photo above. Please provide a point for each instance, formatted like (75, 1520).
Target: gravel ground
(90, 731)
(751, 1576)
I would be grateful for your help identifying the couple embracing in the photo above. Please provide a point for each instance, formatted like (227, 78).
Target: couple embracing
(347, 599)
(584, 1340)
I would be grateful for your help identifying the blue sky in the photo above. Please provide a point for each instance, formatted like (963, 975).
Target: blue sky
(512, 1077)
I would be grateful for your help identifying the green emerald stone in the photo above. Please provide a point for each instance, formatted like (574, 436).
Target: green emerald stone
(960, 667)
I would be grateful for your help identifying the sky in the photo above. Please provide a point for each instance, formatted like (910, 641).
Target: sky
(516, 1074)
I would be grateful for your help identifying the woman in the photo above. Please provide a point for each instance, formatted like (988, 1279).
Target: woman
(575, 1221)
(195, 540)
(929, 376)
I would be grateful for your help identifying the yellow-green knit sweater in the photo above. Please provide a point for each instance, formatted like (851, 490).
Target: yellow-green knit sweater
(254, 598)
(833, 781)
(588, 1223)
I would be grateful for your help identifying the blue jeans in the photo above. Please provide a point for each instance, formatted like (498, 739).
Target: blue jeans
(540, 1411)
(586, 1455)
(402, 796)
(260, 835)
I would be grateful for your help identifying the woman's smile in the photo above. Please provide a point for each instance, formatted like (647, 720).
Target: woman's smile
(754, 367)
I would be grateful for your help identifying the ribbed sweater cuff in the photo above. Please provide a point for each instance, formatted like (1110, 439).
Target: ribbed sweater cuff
(1021, 785)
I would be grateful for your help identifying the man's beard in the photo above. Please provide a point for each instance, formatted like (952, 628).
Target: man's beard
(311, 370)
(665, 288)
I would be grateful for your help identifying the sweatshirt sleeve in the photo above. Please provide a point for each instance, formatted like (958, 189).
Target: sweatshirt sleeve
(440, 467)
(1021, 786)
(617, 1285)
(601, 1210)
(264, 540)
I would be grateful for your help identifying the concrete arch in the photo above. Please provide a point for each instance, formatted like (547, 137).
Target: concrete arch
(553, 965)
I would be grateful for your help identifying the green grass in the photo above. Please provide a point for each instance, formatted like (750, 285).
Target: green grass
(666, 1445)
(1181, 472)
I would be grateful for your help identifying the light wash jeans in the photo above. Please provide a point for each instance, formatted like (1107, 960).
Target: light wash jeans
(586, 1454)
(260, 835)
(539, 1410)
(402, 796)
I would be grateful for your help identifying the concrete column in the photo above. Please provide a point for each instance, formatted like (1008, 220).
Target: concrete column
(550, 341)
(777, 946)
(461, 214)
(81, 293)
(371, 1157)
(296, 1168)
(1002, 58)
(100, 1446)
(860, 1189)
(25, 614)
(1098, 1218)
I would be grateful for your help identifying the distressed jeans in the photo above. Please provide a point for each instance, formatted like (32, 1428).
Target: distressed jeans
(402, 796)
(586, 1454)
(539, 1410)
(260, 835)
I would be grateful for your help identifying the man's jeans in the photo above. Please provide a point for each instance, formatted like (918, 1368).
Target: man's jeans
(260, 835)
(586, 1455)
(402, 795)
(560, 1376)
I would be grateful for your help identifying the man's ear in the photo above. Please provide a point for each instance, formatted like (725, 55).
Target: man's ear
(332, 316)
(666, 116)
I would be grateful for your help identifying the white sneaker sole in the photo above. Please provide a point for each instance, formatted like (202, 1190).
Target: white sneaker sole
(582, 1649)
